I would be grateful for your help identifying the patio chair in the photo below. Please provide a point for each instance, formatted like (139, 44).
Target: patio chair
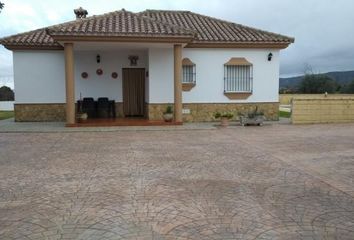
(88, 106)
(103, 107)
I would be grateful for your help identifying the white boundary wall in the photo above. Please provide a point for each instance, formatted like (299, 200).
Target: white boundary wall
(7, 105)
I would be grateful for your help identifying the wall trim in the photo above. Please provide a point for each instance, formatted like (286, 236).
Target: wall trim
(237, 95)
(186, 87)
(238, 45)
(158, 103)
(38, 103)
(187, 41)
(47, 103)
(21, 47)
(214, 103)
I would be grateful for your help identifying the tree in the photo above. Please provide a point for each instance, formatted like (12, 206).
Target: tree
(349, 88)
(1, 5)
(6, 94)
(317, 83)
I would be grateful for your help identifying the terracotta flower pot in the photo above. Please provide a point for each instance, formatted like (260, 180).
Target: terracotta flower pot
(168, 117)
(81, 117)
(224, 122)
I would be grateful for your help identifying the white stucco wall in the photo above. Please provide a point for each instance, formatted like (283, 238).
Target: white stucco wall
(161, 75)
(39, 76)
(7, 105)
(210, 74)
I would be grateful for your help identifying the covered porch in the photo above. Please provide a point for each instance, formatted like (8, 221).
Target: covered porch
(130, 76)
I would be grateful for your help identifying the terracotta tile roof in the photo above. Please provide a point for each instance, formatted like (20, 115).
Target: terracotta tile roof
(36, 38)
(120, 23)
(150, 23)
(211, 29)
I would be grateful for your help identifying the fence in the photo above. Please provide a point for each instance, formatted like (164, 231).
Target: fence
(7, 80)
(330, 109)
(285, 99)
(7, 105)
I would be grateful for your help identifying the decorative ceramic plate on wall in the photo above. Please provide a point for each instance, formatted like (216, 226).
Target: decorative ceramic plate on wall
(99, 71)
(114, 75)
(84, 75)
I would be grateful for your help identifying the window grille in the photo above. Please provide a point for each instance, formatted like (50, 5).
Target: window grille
(238, 78)
(189, 74)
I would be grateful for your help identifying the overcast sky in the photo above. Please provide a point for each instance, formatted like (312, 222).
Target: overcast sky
(323, 29)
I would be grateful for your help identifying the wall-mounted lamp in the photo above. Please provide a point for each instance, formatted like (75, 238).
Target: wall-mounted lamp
(98, 58)
(270, 55)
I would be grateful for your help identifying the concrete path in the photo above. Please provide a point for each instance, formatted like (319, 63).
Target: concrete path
(271, 182)
(10, 126)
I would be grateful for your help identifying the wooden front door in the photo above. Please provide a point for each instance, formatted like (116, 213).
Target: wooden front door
(134, 92)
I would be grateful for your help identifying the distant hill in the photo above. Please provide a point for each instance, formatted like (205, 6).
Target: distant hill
(341, 78)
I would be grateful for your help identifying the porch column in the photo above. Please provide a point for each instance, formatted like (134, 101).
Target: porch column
(178, 82)
(69, 83)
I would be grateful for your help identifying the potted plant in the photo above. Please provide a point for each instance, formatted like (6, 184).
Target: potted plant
(224, 117)
(252, 118)
(81, 116)
(168, 114)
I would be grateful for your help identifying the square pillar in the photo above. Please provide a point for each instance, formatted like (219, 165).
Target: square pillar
(177, 50)
(69, 83)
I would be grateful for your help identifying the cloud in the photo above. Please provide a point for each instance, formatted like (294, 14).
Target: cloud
(18, 17)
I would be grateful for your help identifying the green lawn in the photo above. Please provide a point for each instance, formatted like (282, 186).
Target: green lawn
(284, 114)
(6, 114)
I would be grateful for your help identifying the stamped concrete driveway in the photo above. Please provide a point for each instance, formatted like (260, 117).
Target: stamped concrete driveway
(270, 182)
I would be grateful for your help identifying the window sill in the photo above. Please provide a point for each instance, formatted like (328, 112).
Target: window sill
(187, 86)
(237, 95)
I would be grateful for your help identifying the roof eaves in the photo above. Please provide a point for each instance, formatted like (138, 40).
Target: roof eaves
(213, 44)
(7, 38)
(32, 47)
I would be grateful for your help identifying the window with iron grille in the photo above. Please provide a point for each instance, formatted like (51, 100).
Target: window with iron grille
(188, 74)
(238, 78)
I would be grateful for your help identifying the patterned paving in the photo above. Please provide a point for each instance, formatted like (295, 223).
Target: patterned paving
(271, 182)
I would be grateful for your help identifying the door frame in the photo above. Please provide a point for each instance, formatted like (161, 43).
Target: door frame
(144, 89)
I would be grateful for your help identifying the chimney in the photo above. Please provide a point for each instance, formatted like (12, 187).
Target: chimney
(80, 13)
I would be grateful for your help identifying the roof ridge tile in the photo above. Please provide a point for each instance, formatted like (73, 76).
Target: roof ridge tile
(170, 25)
(157, 10)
